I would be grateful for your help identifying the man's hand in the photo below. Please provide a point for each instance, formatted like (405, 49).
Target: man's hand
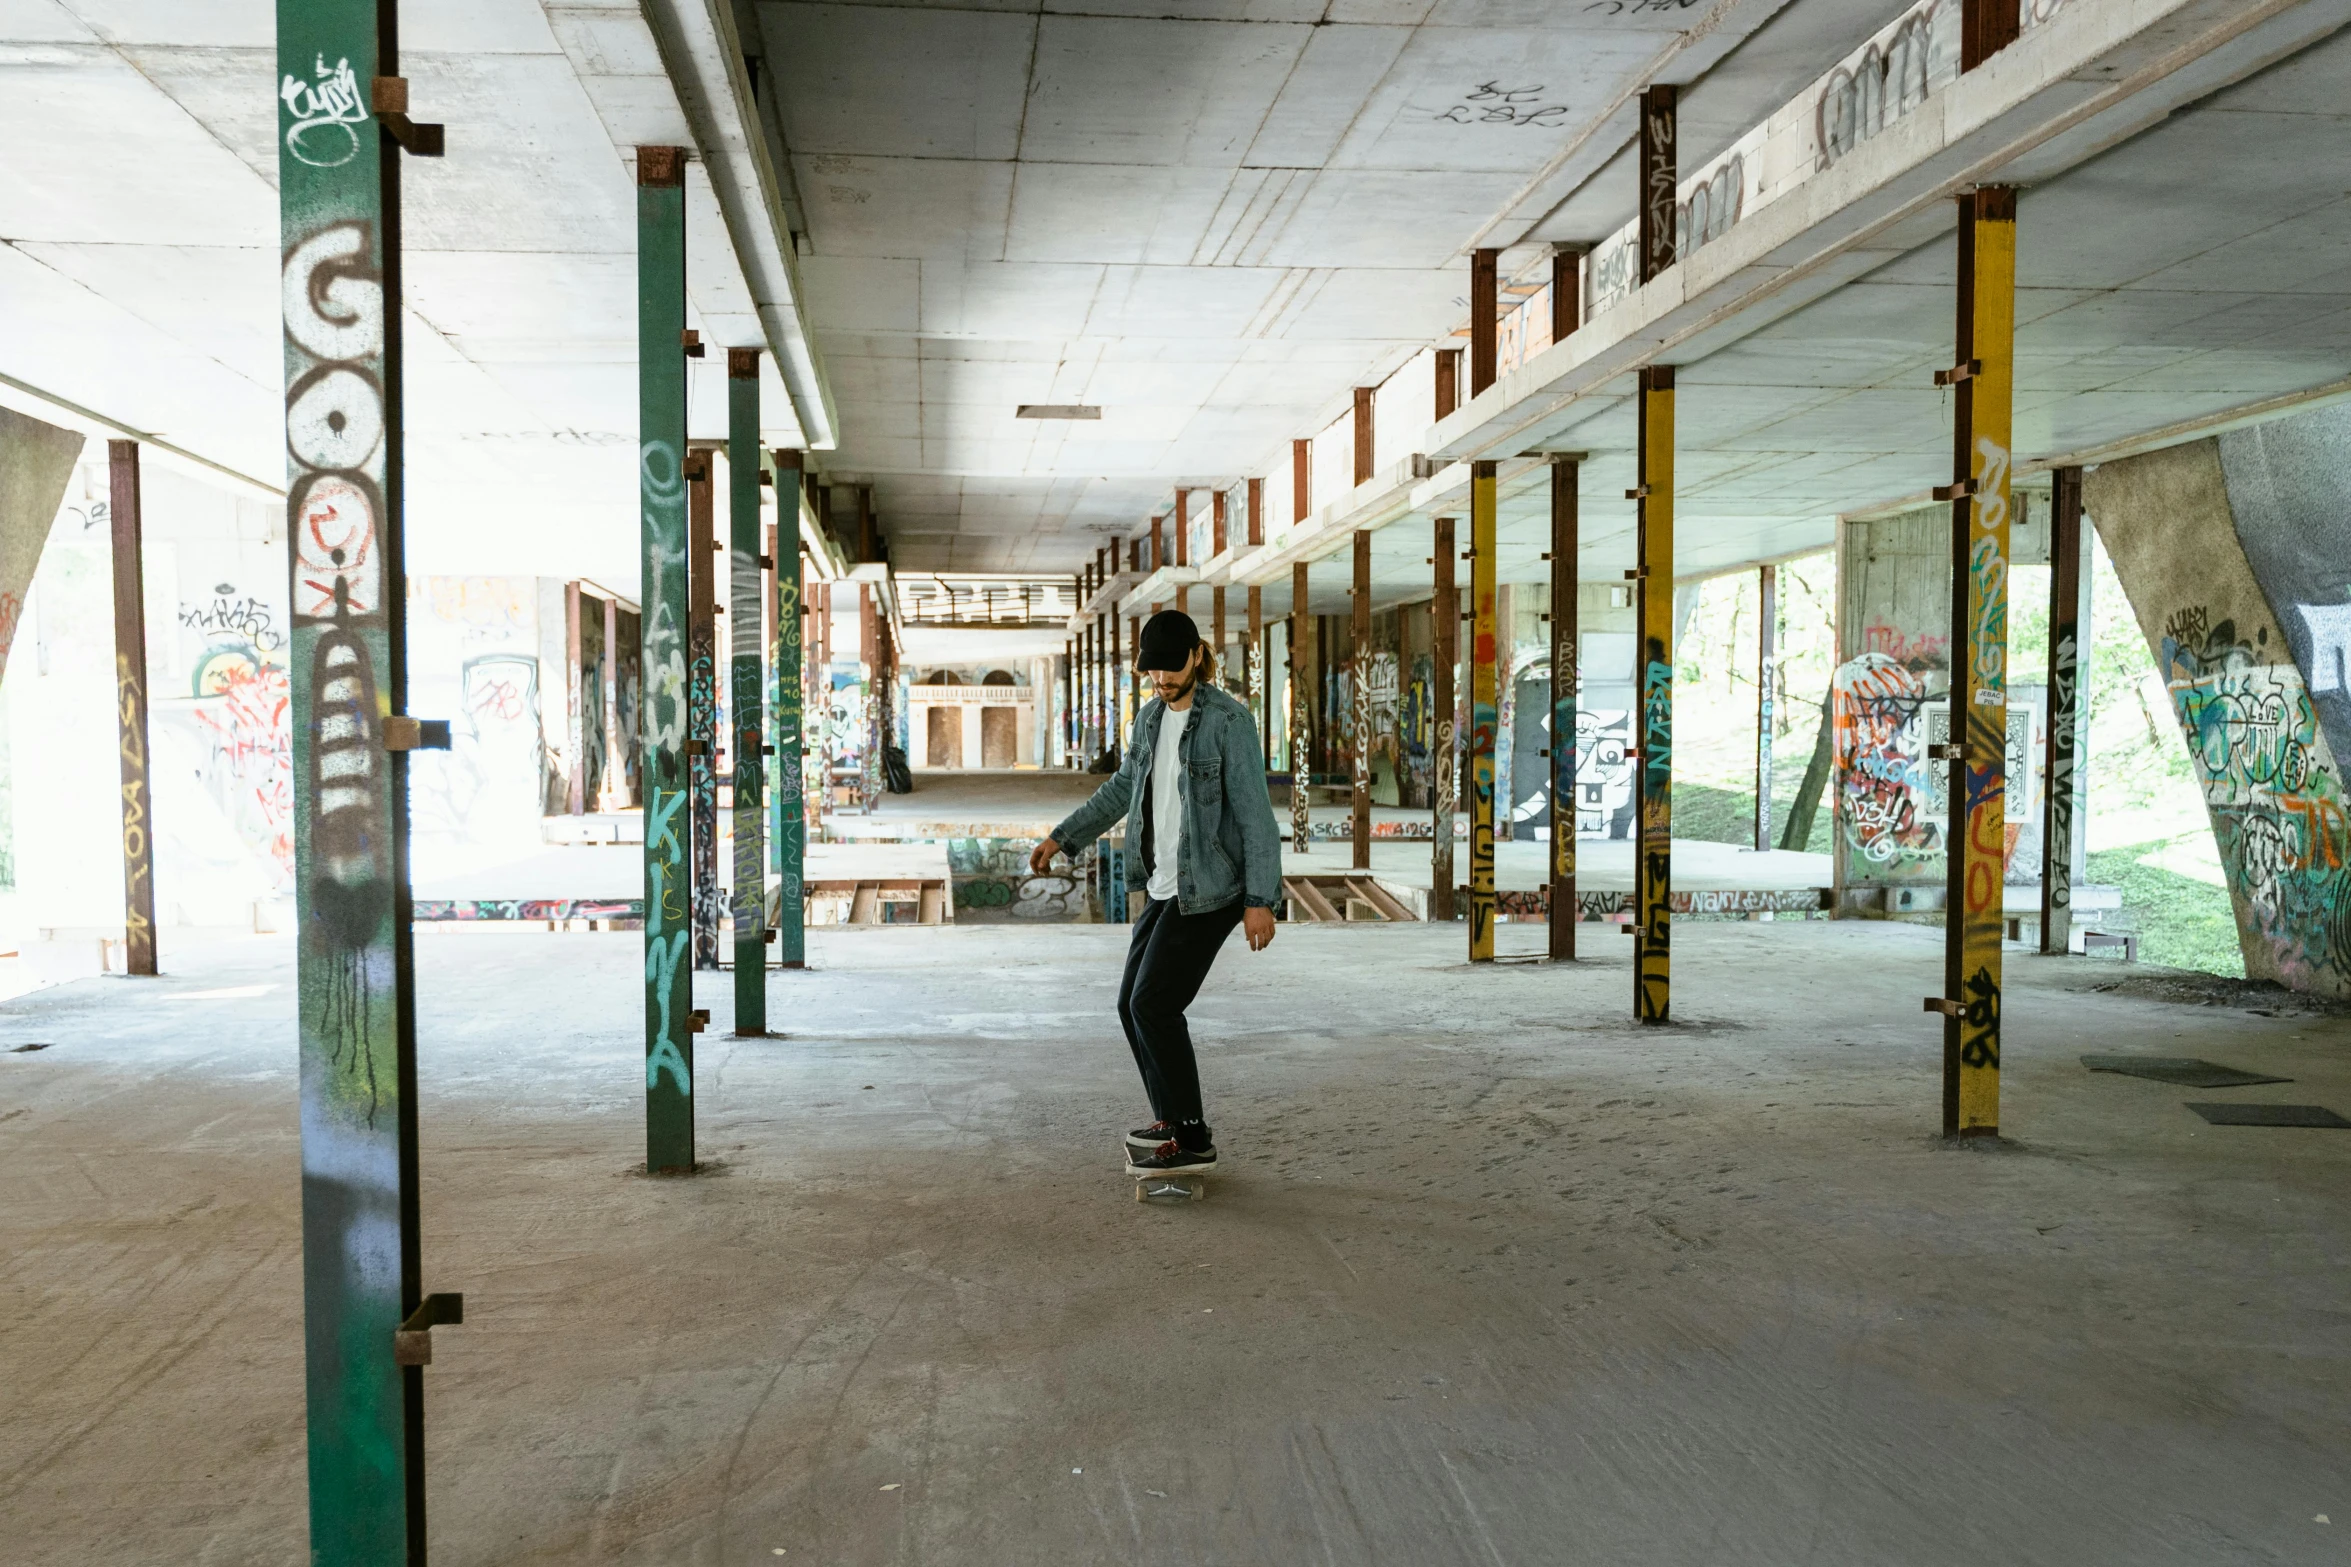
(1257, 924)
(1041, 858)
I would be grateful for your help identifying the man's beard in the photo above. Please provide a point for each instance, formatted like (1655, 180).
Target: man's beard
(1171, 699)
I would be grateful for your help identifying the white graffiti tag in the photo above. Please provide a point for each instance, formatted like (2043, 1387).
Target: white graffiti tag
(324, 112)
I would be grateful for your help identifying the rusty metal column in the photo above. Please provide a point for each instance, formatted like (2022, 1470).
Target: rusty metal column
(339, 130)
(1567, 291)
(1767, 674)
(1445, 653)
(1216, 624)
(1978, 752)
(1301, 479)
(1653, 777)
(670, 1024)
(1484, 709)
(746, 719)
(1359, 695)
(1251, 651)
(130, 701)
(1564, 910)
(1301, 765)
(707, 900)
(1483, 323)
(1660, 177)
(2062, 750)
(1363, 431)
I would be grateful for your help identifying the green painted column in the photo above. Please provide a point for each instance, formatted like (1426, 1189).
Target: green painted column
(338, 188)
(746, 705)
(661, 493)
(787, 721)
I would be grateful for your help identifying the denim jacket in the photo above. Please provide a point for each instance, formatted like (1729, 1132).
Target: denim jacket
(1231, 847)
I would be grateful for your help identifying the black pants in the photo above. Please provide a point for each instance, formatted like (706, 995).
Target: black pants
(1170, 956)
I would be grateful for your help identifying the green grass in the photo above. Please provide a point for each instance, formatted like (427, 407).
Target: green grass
(1711, 815)
(2181, 922)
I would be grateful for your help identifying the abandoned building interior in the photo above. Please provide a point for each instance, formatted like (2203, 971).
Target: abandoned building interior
(1786, 564)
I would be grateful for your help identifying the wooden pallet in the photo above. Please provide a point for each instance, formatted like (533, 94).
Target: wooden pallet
(1339, 899)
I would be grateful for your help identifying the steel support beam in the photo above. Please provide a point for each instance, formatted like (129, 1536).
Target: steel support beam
(746, 700)
(1445, 655)
(1567, 291)
(1363, 429)
(2062, 756)
(1484, 320)
(788, 718)
(1359, 684)
(130, 702)
(1653, 775)
(1216, 624)
(1565, 475)
(1484, 711)
(1660, 177)
(1301, 764)
(1252, 652)
(1978, 754)
(355, 980)
(708, 901)
(1301, 479)
(1767, 691)
(661, 498)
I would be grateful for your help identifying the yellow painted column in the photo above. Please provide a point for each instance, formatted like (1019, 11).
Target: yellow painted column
(1653, 777)
(1484, 706)
(1985, 377)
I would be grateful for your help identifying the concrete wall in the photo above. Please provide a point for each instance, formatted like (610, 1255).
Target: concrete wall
(2235, 553)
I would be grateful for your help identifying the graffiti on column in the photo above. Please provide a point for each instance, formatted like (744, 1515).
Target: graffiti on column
(1301, 765)
(668, 922)
(709, 900)
(338, 465)
(791, 830)
(1656, 846)
(1566, 787)
(1987, 757)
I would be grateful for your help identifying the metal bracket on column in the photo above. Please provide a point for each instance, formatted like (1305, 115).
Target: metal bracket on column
(1959, 373)
(389, 96)
(1953, 751)
(402, 733)
(1638, 492)
(698, 1020)
(1944, 1005)
(1954, 492)
(412, 1341)
(691, 341)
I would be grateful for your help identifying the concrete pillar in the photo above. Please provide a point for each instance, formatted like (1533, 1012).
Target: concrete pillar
(967, 715)
(1984, 378)
(1653, 717)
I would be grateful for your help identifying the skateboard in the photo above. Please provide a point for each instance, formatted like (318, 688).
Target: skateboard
(1174, 1186)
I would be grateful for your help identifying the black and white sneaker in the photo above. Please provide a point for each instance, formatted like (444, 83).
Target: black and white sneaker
(1151, 1136)
(1172, 1158)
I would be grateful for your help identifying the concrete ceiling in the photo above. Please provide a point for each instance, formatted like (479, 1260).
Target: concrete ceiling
(1211, 226)
(139, 244)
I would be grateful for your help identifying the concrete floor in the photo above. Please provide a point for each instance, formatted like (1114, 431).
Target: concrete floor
(1493, 1277)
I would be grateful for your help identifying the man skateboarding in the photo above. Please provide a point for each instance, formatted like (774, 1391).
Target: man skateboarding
(1202, 837)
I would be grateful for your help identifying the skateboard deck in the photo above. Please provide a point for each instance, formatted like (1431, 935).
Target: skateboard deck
(1175, 1186)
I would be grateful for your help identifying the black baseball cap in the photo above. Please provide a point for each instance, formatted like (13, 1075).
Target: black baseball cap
(1167, 642)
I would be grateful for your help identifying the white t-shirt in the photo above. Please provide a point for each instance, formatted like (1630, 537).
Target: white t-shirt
(1167, 806)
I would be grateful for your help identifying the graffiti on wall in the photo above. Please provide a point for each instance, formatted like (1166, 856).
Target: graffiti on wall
(1604, 773)
(1884, 703)
(2277, 809)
